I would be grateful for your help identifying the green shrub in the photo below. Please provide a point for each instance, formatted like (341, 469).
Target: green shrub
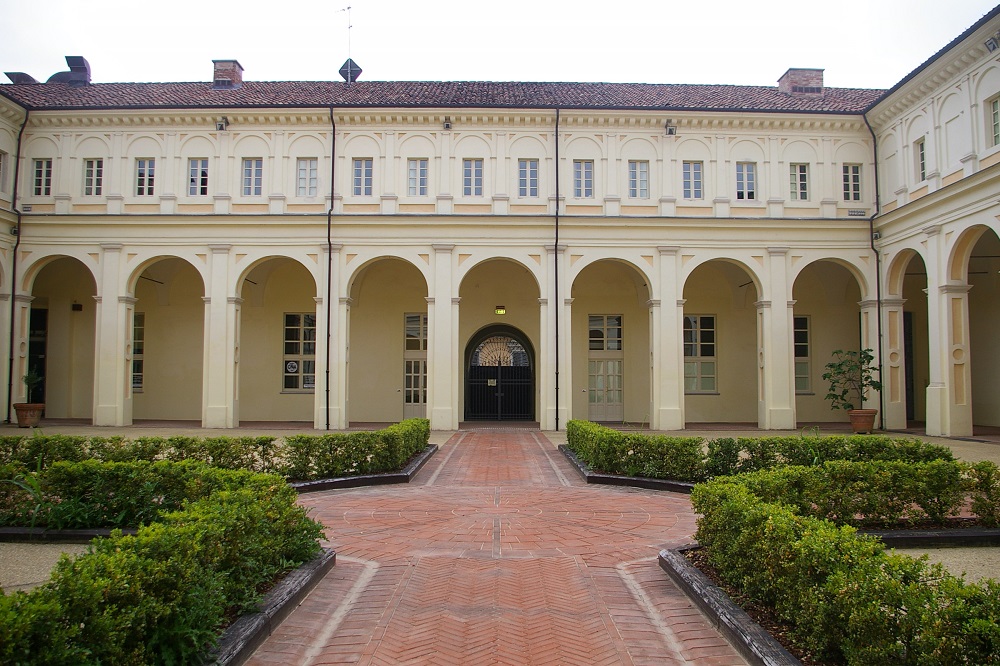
(631, 454)
(984, 486)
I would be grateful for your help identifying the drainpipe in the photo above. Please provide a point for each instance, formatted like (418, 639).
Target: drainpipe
(329, 259)
(878, 269)
(555, 256)
(13, 266)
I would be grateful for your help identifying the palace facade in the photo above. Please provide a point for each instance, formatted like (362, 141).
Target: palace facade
(345, 252)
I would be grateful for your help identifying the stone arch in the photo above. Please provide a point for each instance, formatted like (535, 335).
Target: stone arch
(500, 375)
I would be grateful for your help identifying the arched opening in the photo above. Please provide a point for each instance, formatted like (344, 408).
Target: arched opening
(916, 347)
(610, 354)
(499, 293)
(826, 317)
(388, 341)
(984, 322)
(720, 344)
(168, 332)
(61, 338)
(499, 376)
(276, 366)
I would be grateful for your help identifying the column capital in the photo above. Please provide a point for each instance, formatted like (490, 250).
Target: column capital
(552, 247)
(869, 303)
(220, 248)
(23, 298)
(932, 229)
(777, 251)
(112, 247)
(762, 305)
(97, 299)
(443, 247)
(653, 303)
(429, 300)
(791, 304)
(668, 250)
(568, 301)
(543, 301)
(332, 247)
(346, 300)
(456, 300)
(893, 302)
(955, 288)
(128, 300)
(681, 302)
(234, 300)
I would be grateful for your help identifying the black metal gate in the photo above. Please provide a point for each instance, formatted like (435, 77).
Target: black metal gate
(500, 383)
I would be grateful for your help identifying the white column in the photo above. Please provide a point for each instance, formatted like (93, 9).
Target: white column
(957, 409)
(342, 343)
(775, 350)
(331, 346)
(555, 355)
(894, 367)
(870, 340)
(22, 319)
(5, 324)
(219, 364)
(443, 354)
(666, 348)
(112, 349)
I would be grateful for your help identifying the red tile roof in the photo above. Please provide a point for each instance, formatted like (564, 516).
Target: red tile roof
(429, 94)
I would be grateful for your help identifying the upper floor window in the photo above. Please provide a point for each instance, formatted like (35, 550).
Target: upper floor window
(920, 152)
(145, 170)
(638, 179)
(472, 177)
(4, 167)
(93, 177)
(43, 178)
(583, 179)
(198, 177)
(253, 176)
(527, 178)
(693, 180)
(362, 177)
(994, 107)
(852, 182)
(416, 177)
(746, 180)
(306, 176)
(799, 181)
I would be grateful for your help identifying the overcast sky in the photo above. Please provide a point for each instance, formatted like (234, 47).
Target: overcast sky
(860, 43)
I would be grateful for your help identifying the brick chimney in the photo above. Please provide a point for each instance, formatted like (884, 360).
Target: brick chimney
(802, 82)
(228, 74)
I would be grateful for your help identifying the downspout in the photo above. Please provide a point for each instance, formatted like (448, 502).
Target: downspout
(878, 268)
(555, 256)
(329, 260)
(13, 266)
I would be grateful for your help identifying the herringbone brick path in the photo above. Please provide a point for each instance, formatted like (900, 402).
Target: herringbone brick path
(498, 554)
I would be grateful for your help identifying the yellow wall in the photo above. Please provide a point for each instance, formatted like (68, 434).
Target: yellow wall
(828, 294)
(716, 288)
(271, 289)
(984, 322)
(175, 315)
(385, 291)
(612, 288)
(69, 362)
(490, 284)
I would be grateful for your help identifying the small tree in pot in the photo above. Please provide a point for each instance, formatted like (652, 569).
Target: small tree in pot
(852, 375)
(30, 413)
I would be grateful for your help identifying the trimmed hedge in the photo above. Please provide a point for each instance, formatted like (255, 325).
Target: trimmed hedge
(847, 600)
(299, 458)
(693, 459)
(161, 596)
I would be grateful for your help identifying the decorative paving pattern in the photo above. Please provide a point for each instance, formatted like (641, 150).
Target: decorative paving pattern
(497, 553)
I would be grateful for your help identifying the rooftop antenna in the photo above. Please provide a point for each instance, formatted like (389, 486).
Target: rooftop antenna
(349, 70)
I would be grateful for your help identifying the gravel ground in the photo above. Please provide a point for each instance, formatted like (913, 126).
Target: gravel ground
(24, 566)
(976, 562)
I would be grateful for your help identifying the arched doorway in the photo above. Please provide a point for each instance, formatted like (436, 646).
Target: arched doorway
(499, 376)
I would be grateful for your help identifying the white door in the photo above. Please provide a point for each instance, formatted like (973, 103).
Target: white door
(604, 392)
(415, 366)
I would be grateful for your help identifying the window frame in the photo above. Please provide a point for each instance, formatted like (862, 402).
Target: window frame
(41, 183)
(300, 357)
(138, 351)
(472, 176)
(993, 120)
(697, 339)
(638, 179)
(197, 176)
(920, 155)
(852, 181)
(527, 178)
(693, 179)
(145, 176)
(746, 181)
(417, 176)
(363, 176)
(253, 176)
(93, 176)
(798, 181)
(801, 353)
(611, 328)
(306, 176)
(4, 169)
(583, 179)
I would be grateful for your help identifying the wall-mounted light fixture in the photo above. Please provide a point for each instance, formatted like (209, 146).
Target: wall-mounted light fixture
(447, 122)
(222, 124)
(670, 128)
(500, 310)
(993, 43)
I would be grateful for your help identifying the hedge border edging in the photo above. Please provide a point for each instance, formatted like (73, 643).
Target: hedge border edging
(753, 643)
(965, 536)
(598, 478)
(242, 638)
(403, 476)
(45, 535)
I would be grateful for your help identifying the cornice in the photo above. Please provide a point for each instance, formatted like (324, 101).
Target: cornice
(575, 120)
(10, 111)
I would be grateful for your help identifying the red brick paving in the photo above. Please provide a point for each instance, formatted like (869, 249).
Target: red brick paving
(497, 553)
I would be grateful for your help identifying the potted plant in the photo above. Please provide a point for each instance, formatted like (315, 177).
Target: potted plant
(29, 413)
(851, 375)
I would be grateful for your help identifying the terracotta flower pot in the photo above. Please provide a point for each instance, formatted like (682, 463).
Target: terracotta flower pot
(28, 413)
(862, 420)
